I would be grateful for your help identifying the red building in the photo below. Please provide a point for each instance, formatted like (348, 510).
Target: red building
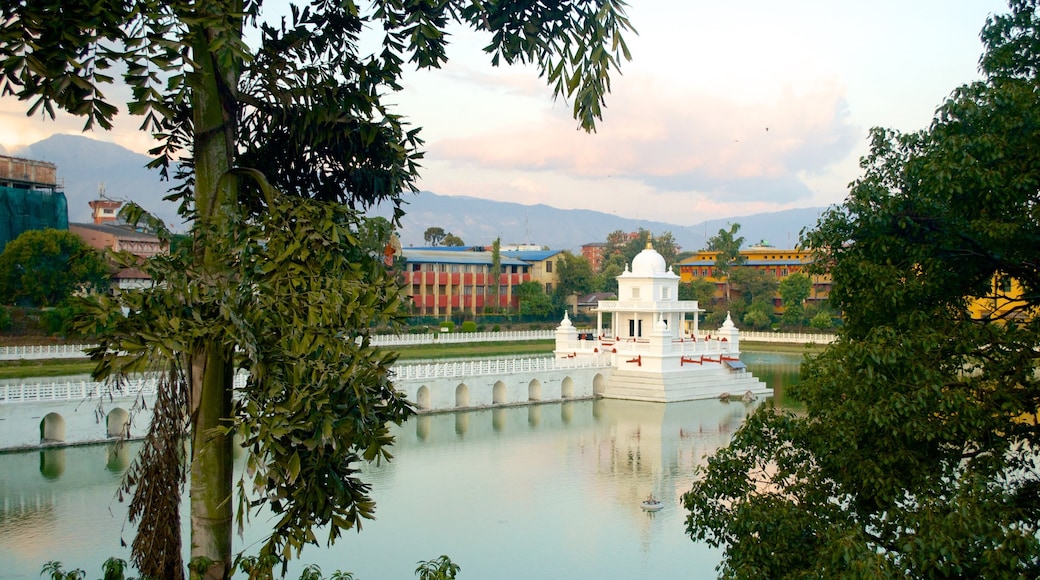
(448, 282)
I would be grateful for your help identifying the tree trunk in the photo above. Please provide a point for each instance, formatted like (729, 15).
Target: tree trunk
(213, 100)
(211, 463)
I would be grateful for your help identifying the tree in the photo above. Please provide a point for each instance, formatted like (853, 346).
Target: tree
(45, 267)
(573, 275)
(915, 455)
(434, 236)
(754, 285)
(533, 301)
(495, 275)
(727, 244)
(306, 106)
(794, 289)
(452, 240)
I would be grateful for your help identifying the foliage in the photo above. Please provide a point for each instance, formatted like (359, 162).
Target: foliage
(496, 270)
(469, 326)
(759, 314)
(447, 325)
(452, 240)
(703, 292)
(573, 275)
(441, 568)
(613, 266)
(57, 572)
(314, 270)
(434, 235)
(727, 244)
(794, 289)
(915, 456)
(822, 320)
(263, 276)
(754, 285)
(45, 267)
(533, 300)
(5, 319)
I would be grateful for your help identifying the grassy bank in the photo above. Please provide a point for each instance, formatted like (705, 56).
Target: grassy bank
(21, 369)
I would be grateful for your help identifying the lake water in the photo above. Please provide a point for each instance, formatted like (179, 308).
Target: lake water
(545, 491)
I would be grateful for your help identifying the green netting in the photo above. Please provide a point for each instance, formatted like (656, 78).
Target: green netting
(27, 209)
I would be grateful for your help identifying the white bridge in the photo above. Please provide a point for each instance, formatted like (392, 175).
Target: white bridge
(38, 413)
(45, 413)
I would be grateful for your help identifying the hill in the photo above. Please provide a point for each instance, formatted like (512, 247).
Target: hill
(83, 163)
(478, 221)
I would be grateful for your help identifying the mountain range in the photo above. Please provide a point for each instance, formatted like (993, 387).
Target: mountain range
(84, 164)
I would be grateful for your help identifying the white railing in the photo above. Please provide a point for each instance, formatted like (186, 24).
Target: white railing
(502, 366)
(786, 337)
(61, 351)
(462, 337)
(43, 351)
(70, 390)
(73, 390)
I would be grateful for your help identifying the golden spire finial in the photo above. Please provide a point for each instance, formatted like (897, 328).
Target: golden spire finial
(649, 241)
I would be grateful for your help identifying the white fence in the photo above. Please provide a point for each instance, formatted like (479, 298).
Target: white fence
(75, 390)
(462, 337)
(786, 337)
(501, 366)
(43, 351)
(71, 390)
(59, 351)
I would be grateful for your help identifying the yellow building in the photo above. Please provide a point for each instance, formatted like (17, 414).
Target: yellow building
(775, 262)
(1003, 301)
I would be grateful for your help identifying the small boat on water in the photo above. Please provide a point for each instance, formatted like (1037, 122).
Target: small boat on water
(651, 504)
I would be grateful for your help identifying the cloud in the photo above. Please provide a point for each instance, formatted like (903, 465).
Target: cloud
(673, 141)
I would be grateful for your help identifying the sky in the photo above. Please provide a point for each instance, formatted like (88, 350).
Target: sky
(726, 109)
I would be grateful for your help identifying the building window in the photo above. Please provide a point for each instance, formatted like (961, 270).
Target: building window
(635, 293)
(548, 288)
(783, 272)
(666, 293)
(548, 266)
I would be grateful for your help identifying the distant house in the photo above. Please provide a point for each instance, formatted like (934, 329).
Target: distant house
(587, 303)
(593, 252)
(107, 233)
(545, 266)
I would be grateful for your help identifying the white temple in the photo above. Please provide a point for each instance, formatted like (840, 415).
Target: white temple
(657, 354)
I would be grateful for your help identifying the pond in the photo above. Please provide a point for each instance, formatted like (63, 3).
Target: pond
(543, 491)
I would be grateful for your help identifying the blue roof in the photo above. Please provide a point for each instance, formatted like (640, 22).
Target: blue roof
(532, 255)
(442, 256)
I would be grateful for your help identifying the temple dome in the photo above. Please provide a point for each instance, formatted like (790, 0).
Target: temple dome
(648, 262)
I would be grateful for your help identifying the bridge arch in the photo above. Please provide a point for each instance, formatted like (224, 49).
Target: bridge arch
(498, 393)
(567, 388)
(422, 398)
(118, 423)
(52, 428)
(534, 390)
(462, 395)
(599, 384)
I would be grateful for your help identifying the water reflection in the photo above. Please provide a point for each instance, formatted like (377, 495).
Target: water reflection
(52, 463)
(542, 491)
